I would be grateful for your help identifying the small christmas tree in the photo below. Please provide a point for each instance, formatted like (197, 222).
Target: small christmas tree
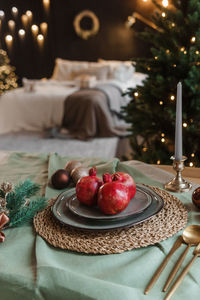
(175, 56)
(8, 79)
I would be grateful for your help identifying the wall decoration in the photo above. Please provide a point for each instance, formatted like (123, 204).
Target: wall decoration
(85, 33)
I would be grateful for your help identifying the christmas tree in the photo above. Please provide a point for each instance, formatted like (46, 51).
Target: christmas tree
(175, 56)
(8, 79)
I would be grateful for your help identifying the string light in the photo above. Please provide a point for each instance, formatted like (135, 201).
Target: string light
(21, 32)
(40, 40)
(14, 11)
(24, 20)
(11, 25)
(172, 97)
(192, 155)
(136, 94)
(158, 162)
(144, 149)
(43, 28)
(2, 14)
(185, 124)
(174, 65)
(197, 52)
(185, 52)
(162, 134)
(148, 68)
(156, 57)
(34, 29)
(193, 39)
(167, 51)
(165, 3)
(162, 140)
(191, 164)
(9, 40)
(163, 14)
(182, 49)
(161, 102)
(173, 24)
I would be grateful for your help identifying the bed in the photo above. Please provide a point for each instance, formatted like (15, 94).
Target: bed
(41, 104)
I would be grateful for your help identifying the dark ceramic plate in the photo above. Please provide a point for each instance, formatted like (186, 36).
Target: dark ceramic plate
(139, 203)
(61, 211)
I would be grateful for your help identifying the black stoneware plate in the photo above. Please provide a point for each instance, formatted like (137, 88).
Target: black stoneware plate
(61, 211)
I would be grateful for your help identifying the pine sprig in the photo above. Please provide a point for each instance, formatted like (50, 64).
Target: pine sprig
(26, 213)
(23, 203)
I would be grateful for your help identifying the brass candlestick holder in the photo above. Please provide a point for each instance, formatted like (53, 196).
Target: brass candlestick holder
(178, 184)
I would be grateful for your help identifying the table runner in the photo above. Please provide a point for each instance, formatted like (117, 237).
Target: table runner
(32, 269)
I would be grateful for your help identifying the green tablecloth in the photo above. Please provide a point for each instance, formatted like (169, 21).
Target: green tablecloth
(32, 269)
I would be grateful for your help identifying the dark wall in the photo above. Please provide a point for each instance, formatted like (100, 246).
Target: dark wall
(113, 41)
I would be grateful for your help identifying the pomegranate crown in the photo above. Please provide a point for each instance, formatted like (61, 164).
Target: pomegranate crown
(93, 171)
(117, 177)
(107, 178)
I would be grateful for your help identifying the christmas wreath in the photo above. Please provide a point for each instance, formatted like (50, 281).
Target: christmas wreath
(85, 33)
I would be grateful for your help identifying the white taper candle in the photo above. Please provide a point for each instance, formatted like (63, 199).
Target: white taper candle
(178, 131)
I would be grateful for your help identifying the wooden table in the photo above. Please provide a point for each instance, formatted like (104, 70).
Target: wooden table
(191, 174)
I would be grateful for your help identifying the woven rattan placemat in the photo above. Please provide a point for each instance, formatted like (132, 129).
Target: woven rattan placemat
(171, 219)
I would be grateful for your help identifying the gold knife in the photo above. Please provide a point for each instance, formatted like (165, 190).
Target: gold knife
(157, 273)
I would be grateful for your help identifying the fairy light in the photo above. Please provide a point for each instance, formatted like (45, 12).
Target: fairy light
(9, 40)
(182, 49)
(163, 14)
(43, 28)
(167, 51)
(2, 14)
(185, 52)
(148, 69)
(144, 149)
(29, 14)
(192, 155)
(163, 140)
(158, 162)
(193, 39)
(11, 25)
(174, 65)
(136, 94)
(34, 29)
(24, 20)
(162, 134)
(172, 97)
(21, 32)
(40, 40)
(14, 11)
(185, 124)
(191, 164)
(197, 52)
(165, 3)
(161, 102)
(156, 57)
(46, 4)
(173, 24)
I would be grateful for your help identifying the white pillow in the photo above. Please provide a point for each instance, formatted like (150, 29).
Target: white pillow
(63, 68)
(100, 72)
(120, 70)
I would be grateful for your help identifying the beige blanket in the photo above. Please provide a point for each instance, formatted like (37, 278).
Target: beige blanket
(95, 113)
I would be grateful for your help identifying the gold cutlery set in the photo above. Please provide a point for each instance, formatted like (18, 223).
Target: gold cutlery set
(191, 237)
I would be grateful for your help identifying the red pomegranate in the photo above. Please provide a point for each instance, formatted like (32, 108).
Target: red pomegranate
(87, 188)
(127, 180)
(113, 196)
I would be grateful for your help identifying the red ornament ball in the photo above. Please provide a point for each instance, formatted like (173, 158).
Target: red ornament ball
(196, 197)
(60, 179)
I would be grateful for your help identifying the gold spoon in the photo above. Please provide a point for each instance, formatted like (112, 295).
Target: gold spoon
(191, 236)
(157, 273)
(176, 284)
